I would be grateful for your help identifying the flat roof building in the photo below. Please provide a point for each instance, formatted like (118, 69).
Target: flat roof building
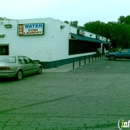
(48, 40)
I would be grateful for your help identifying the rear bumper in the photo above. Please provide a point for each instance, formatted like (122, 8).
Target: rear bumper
(7, 74)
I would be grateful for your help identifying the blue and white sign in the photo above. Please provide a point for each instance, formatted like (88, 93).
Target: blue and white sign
(31, 29)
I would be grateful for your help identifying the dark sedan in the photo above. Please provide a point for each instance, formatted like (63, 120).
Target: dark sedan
(125, 53)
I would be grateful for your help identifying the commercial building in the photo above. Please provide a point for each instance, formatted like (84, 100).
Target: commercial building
(51, 41)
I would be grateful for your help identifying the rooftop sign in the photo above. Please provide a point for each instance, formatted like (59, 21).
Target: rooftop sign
(30, 29)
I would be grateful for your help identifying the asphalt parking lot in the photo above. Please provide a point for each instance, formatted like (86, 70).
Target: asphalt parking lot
(92, 97)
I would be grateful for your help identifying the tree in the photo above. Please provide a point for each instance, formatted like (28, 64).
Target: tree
(117, 32)
(125, 20)
(121, 19)
(2, 18)
(96, 27)
(66, 21)
(74, 23)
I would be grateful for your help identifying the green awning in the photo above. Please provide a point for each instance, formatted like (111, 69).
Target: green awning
(84, 38)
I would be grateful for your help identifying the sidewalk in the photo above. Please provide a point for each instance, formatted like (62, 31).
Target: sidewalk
(68, 67)
(63, 68)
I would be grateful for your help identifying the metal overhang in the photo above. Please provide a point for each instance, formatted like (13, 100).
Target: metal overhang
(84, 38)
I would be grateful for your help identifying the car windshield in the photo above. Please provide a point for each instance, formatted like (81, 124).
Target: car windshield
(8, 59)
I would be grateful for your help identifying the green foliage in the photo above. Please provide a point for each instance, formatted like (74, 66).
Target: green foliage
(117, 32)
(66, 22)
(121, 19)
(119, 35)
(2, 18)
(124, 20)
(96, 27)
(81, 27)
(74, 23)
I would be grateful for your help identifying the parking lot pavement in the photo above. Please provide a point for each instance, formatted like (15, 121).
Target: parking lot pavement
(92, 97)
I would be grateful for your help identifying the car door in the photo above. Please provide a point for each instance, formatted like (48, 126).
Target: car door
(24, 65)
(123, 53)
(31, 67)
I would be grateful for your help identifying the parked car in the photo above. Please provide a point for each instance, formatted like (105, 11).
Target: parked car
(18, 66)
(125, 53)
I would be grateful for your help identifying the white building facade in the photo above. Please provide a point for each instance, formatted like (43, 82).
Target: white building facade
(43, 39)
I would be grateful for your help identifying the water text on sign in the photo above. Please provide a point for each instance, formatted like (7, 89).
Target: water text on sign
(27, 26)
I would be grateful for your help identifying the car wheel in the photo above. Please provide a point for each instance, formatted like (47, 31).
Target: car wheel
(39, 70)
(112, 57)
(19, 75)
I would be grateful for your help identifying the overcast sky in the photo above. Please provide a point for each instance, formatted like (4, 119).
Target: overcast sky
(81, 10)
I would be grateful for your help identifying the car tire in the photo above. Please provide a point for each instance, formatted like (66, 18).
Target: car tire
(39, 70)
(19, 75)
(112, 57)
